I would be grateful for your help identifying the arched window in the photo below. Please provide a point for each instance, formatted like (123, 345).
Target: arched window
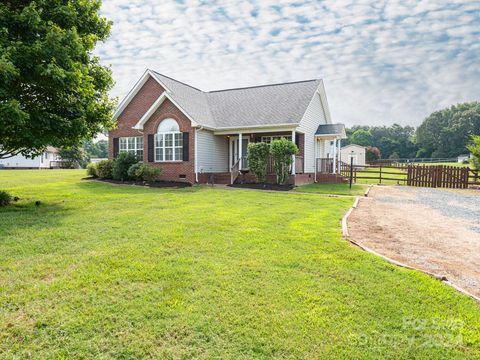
(168, 141)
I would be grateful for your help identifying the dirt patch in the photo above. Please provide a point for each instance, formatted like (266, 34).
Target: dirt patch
(431, 229)
(265, 186)
(154, 184)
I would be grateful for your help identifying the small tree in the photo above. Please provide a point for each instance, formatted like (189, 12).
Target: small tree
(282, 151)
(72, 157)
(474, 149)
(394, 156)
(121, 165)
(372, 153)
(257, 158)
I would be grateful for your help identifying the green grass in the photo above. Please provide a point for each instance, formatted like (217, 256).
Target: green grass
(104, 271)
(395, 177)
(335, 189)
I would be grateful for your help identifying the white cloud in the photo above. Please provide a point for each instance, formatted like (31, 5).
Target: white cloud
(382, 61)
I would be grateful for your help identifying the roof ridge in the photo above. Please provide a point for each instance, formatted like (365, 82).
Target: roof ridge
(181, 82)
(264, 85)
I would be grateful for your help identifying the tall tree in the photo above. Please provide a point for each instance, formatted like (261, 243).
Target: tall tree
(446, 133)
(53, 91)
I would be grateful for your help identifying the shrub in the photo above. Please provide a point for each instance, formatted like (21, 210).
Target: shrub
(474, 148)
(144, 172)
(121, 165)
(282, 151)
(104, 169)
(134, 172)
(257, 158)
(92, 170)
(5, 198)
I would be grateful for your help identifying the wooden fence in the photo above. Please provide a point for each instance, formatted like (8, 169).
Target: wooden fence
(443, 176)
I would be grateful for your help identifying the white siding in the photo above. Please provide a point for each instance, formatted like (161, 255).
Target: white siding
(19, 161)
(212, 152)
(313, 117)
(358, 153)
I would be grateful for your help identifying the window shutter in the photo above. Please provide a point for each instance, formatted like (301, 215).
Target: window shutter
(151, 148)
(186, 139)
(115, 147)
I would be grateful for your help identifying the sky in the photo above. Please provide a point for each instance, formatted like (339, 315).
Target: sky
(382, 62)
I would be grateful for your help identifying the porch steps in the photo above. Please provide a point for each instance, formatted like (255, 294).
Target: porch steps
(222, 178)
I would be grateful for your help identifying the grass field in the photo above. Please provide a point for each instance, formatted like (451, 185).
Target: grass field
(105, 271)
(334, 189)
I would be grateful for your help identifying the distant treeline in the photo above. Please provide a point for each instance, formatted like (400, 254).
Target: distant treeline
(444, 134)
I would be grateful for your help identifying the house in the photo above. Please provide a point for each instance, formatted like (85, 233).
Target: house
(48, 160)
(355, 152)
(199, 136)
(463, 158)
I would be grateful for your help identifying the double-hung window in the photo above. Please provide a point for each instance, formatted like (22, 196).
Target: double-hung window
(168, 142)
(133, 145)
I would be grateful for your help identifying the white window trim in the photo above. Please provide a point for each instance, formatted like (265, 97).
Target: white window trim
(135, 147)
(173, 147)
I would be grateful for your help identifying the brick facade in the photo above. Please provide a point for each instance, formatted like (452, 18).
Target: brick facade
(178, 170)
(151, 90)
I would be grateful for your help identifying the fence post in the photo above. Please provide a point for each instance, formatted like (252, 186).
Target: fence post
(351, 171)
(380, 174)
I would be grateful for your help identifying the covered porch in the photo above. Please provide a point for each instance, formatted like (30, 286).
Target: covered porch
(327, 148)
(238, 147)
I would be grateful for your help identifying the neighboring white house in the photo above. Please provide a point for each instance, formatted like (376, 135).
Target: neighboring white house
(354, 151)
(49, 159)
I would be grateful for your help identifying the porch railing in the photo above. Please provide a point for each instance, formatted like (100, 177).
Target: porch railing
(325, 165)
(298, 164)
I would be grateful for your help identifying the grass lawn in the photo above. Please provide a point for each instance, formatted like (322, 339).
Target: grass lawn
(335, 189)
(105, 271)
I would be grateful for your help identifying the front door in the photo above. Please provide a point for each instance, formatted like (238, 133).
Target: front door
(234, 150)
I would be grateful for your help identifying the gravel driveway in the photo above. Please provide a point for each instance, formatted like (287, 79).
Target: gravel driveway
(436, 230)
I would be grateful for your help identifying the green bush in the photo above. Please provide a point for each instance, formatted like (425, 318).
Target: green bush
(144, 172)
(92, 170)
(5, 198)
(474, 148)
(121, 165)
(257, 157)
(282, 151)
(104, 169)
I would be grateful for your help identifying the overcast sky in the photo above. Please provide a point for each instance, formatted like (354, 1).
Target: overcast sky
(381, 61)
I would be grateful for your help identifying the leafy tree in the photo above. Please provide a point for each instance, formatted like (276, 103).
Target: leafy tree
(372, 153)
(98, 149)
(72, 157)
(395, 138)
(447, 132)
(282, 151)
(257, 158)
(362, 137)
(394, 156)
(53, 91)
(474, 149)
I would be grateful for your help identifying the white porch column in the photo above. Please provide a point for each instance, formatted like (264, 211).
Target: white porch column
(335, 156)
(240, 151)
(293, 162)
(230, 152)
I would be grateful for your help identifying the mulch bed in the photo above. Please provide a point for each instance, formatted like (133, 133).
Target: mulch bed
(155, 184)
(258, 186)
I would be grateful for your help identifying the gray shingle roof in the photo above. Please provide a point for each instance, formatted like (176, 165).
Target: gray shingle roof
(259, 105)
(330, 129)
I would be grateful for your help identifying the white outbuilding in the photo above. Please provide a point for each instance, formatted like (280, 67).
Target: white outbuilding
(354, 151)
